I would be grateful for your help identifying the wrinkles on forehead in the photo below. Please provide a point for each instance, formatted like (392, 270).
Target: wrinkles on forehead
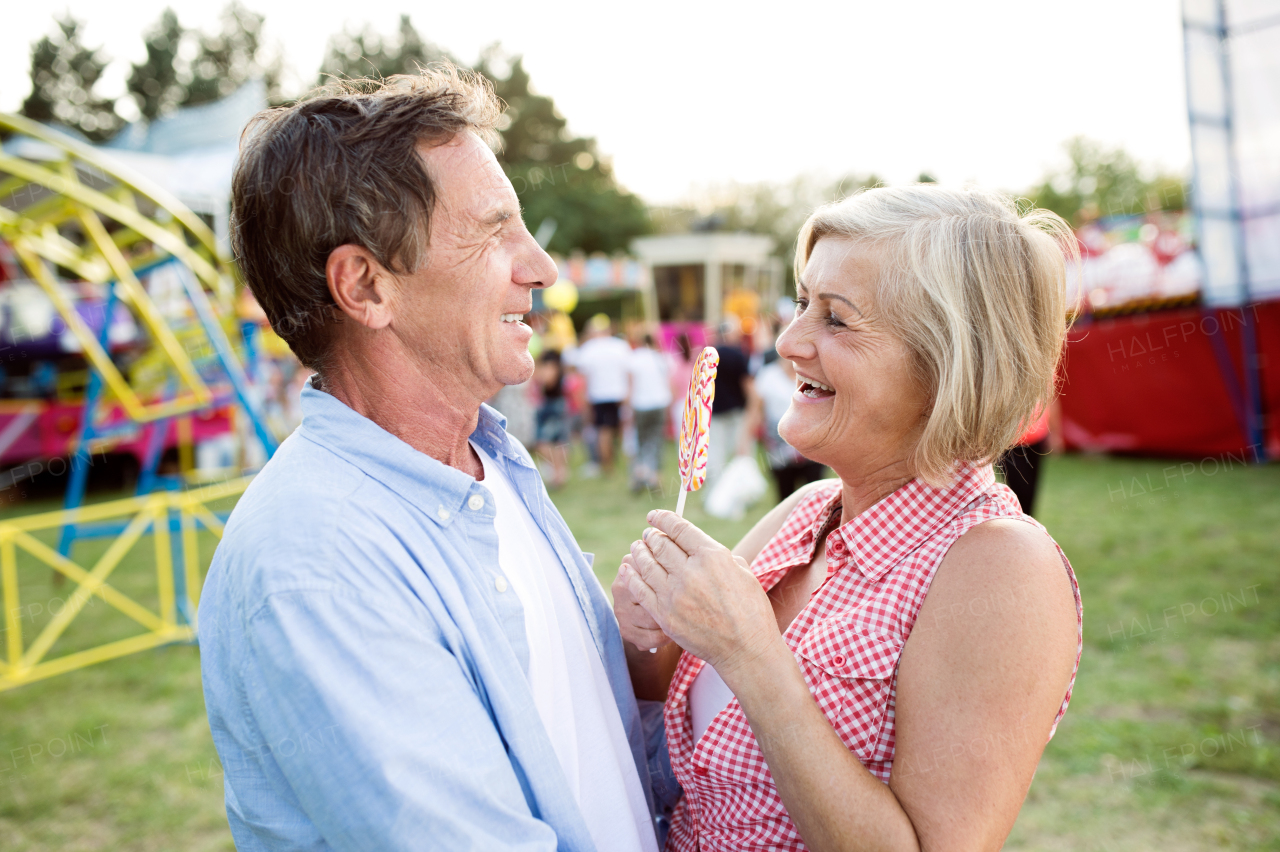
(845, 272)
(474, 198)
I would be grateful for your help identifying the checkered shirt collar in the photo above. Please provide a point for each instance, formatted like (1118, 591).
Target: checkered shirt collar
(881, 536)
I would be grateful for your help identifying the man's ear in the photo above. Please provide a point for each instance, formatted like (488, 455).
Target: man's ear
(360, 286)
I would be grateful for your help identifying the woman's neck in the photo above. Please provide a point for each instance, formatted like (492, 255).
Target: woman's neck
(862, 491)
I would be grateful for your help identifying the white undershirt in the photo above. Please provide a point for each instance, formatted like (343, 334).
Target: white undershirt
(570, 688)
(708, 695)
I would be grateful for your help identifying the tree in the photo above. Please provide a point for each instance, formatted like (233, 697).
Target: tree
(155, 84)
(223, 61)
(228, 59)
(558, 176)
(64, 74)
(359, 54)
(1101, 181)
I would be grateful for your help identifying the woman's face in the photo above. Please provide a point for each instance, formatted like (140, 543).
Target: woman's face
(857, 408)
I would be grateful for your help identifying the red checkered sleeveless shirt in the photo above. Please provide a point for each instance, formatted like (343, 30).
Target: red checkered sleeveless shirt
(847, 640)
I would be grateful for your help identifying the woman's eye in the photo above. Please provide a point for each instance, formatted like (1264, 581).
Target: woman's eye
(801, 304)
(834, 321)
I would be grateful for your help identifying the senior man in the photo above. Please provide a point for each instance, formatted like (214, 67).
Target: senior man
(402, 645)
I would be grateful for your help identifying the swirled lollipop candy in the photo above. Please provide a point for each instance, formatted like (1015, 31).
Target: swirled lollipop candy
(695, 429)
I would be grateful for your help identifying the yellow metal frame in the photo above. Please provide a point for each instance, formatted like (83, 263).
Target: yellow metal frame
(150, 513)
(33, 233)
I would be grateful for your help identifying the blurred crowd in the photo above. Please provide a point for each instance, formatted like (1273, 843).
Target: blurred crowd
(619, 394)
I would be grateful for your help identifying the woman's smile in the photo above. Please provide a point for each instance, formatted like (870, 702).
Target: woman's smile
(812, 390)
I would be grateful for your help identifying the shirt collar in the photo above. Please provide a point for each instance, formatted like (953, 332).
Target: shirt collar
(881, 536)
(436, 488)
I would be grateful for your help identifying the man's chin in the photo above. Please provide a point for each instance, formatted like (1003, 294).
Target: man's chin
(518, 371)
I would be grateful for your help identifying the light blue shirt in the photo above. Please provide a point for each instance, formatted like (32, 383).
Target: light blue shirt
(365, 666)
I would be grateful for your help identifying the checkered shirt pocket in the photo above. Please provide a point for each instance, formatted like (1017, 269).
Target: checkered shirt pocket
(850, 670)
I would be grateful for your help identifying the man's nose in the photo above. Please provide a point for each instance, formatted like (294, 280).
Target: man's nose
(541, 268)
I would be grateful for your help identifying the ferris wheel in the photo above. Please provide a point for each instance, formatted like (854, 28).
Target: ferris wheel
(75, 219)
(126, 284)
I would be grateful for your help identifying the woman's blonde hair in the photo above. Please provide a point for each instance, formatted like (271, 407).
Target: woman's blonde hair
(976, 289)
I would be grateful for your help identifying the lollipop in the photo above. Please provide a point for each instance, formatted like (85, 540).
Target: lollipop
(695, 430)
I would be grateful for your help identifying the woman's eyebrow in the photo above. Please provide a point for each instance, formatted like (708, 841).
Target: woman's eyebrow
(840, 298)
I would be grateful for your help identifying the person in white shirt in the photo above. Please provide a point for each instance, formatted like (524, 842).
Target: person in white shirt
(570, 688)
(602, 360)
(649, 374)
(775, 385)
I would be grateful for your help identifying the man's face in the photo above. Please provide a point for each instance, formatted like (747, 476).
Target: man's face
(461, 313)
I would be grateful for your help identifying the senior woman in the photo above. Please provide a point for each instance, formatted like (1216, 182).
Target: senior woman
(881, 660)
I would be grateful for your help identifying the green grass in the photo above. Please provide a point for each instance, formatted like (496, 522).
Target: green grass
(1172, 740)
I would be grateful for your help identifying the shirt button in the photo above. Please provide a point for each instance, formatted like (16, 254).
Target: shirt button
(839, 660)
(475, 503)
(500, 584)
(442, 513)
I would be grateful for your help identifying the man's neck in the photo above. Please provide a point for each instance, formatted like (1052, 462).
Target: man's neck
(411, 405)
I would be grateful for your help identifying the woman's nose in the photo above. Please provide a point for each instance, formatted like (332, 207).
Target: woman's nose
(793, 344)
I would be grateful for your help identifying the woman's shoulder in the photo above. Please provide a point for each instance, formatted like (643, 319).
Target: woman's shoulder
(1007, 540)
(795, 509)
(995, 525)
(1011, 577)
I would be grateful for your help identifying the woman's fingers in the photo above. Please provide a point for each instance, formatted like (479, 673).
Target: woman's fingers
(641, 592)
(646, 640)
(665, 551)
(647, 566)
(627, 608)
(621, 594)
(683, 533)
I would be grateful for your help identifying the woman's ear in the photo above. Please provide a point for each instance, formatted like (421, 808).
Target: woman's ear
(360, 286)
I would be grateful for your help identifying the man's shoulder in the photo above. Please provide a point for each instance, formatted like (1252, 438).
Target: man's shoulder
(302, 476)
(290, 511)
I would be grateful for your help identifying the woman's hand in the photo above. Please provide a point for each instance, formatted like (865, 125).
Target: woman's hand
(700, 595)
(637, 625)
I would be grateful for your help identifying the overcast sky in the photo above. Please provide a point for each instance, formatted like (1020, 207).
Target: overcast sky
(686, 94)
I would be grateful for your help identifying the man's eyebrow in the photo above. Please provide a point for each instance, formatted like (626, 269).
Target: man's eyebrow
(497, 217)
(840, 298)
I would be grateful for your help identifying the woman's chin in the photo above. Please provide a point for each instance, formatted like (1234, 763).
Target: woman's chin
(797, 438)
